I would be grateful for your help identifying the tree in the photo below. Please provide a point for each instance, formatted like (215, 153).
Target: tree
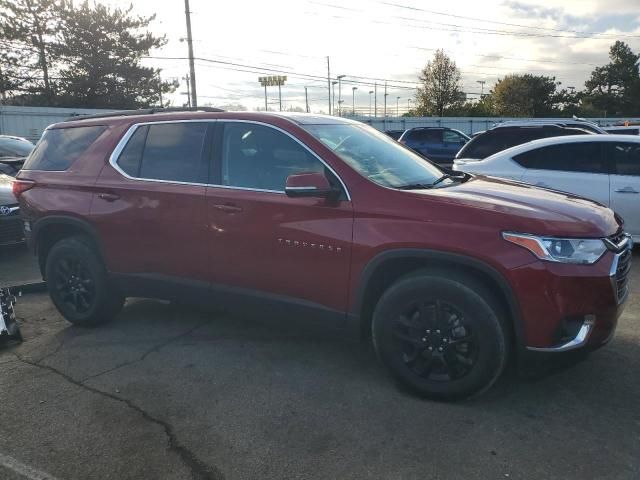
(441, 88)
(28, 32)
(102, 49)
(525, 95)
(615, 88)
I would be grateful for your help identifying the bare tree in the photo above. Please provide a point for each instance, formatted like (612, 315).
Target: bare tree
(441, 88)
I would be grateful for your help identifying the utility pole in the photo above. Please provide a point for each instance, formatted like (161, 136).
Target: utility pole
(340, 77)
(385, 98)
(329, 85)
(306, 99)
(280, 95)
(481, 82)
(375, 99)
(266, 106)
(397, 106)
(370, 92)
(353, 100)
(333, 89)
(192, 68)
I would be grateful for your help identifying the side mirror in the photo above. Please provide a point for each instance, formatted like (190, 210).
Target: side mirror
(313, 184)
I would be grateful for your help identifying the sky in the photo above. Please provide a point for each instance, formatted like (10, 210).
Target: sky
(370, 41)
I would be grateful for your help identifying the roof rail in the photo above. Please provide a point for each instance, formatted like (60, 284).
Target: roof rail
(141, 111)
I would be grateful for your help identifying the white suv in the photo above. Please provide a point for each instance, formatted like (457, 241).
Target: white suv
(605, 168)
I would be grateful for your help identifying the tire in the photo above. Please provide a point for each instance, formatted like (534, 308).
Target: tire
(78, 284)
(441, 335)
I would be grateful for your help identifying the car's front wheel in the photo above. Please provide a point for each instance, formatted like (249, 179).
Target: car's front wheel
(78, 284)
(440, 334)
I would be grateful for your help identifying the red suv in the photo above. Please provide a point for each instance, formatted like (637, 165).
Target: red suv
(326, 220)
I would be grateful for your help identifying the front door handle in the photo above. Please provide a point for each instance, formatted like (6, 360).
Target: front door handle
(228, 208)
(626, 190)
(109, 197)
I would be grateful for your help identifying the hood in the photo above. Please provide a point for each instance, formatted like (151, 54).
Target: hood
(6, 190)
(519, 207)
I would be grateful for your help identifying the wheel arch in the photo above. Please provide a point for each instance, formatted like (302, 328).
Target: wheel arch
(385, 268)
(48, 230)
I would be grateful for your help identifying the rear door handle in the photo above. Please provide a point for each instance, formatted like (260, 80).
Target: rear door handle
(109, 197)
(626, 190)
(228, 208)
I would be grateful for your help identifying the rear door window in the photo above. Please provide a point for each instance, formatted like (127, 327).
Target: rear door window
(449, 136)
(60, 147)
(173, 152)
(624, 157)
(570, 157)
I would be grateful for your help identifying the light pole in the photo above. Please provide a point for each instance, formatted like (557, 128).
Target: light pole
(333, 89)
(306, 99)
(385, 99)
(409, 105)
(353, 100)
(370, 92)
(340, 77)
(481, 82)
(397, 106)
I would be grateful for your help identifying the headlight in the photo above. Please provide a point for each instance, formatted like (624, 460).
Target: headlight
(563, 250)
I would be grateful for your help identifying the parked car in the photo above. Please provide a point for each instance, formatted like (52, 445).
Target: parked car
(502, 137)
(13, 152)
(568, 123)
(11, 232)
(605, 168)
(395, 134)
(440, 145)
(635, 130)
(322, 219)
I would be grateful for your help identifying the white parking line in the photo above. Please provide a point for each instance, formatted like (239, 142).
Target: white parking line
(24, 470)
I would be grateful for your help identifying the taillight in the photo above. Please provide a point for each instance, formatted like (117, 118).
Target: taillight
(20, 186)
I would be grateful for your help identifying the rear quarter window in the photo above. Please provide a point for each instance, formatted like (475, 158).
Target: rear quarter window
(60, 147)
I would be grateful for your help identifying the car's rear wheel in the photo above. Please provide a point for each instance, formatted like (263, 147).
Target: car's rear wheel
(78, 284)
(440, 334)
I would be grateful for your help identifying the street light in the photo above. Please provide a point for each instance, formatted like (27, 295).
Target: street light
(370, 92)
(340, 77)
(353, 100)
(333, 88)
(397, 106)
(481, 82)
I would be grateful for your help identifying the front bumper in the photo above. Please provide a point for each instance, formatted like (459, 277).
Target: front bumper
(11, 231)
(568, 307)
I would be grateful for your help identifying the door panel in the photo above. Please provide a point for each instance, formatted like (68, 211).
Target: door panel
(155, 225)
(294, 247)
(262, 240)
(574, 167)
(625, 183)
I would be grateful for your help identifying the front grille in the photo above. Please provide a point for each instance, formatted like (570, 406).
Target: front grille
(11, 230)
(621, 276)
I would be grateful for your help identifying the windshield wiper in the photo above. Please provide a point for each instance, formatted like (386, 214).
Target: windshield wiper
(448, 175)
(414, 186)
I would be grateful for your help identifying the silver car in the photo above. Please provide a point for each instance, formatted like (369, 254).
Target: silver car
(11, 231)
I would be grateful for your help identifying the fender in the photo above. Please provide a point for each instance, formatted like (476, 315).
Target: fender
(442, 258)
(42, 223)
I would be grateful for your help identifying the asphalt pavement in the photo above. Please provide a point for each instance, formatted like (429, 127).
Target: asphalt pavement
(166, 392)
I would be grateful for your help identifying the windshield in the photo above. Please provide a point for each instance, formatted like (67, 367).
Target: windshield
(12, 147)
(376, 156)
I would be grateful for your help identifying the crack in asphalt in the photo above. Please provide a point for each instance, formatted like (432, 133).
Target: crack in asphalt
(155, 348)
(199, 469)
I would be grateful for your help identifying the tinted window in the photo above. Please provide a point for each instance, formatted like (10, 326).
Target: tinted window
(426, 135)
(494, 141)
(255, 156)
(12, 147)
(625, 157)
(570, 157)
(449, 136)
(129, 159)
(60, 147)
(173, 152)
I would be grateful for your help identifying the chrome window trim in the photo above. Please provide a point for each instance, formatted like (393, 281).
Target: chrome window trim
(113, 158)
